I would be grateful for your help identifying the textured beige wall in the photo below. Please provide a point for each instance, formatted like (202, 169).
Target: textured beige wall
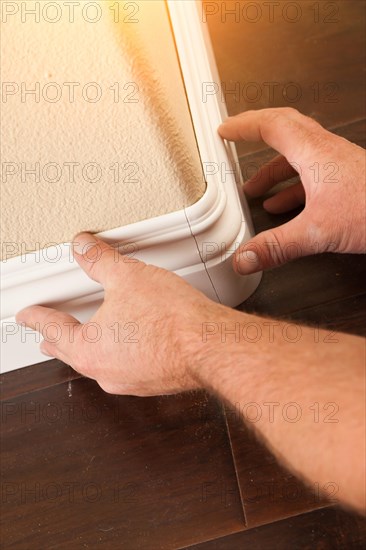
(148, 130)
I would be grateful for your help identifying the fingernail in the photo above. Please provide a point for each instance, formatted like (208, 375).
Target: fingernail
(82, 243)
(247, 261)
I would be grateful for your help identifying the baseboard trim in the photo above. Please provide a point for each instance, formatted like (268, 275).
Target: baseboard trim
(197, 242)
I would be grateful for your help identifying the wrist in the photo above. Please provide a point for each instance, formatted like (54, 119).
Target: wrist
(210, 344)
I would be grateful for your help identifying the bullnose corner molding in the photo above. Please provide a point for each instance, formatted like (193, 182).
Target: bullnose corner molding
(197, 242)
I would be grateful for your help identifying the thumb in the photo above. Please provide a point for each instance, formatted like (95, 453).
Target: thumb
(95, 257)
(101, 262)
(273, 248)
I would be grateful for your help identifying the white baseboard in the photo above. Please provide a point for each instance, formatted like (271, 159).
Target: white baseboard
(197, 242)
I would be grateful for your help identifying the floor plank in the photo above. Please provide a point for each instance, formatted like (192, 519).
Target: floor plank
(268, 491)
(81, 468)
(35, 377)
(308, 282)
(313, 63)
(344, 315)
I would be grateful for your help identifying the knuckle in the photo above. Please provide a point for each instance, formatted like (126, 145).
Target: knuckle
(51, 329)
(311, 122)
(107, 387)
(291, 112)
(281, 113)
(272, 115)
(274, 249)
(48, 318)
(279, 119)
(95, 262)
(92, 253)
(101, 256)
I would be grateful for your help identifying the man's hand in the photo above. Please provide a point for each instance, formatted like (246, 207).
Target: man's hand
(137, 343)
(332, 172)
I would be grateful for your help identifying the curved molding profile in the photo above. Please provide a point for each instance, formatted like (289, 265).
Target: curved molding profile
(197, 242)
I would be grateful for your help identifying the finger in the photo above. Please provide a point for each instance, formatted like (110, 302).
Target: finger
(61, 332)
(284, 129)
(286, 200)
(98, 259)
(276, 171)
(273, 248)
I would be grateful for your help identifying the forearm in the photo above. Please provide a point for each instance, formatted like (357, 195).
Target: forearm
(302, 389)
